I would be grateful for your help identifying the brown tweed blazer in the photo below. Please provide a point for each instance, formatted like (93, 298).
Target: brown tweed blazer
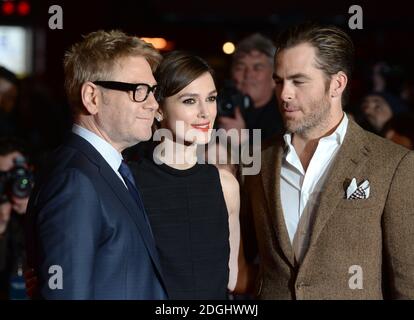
(376, 234)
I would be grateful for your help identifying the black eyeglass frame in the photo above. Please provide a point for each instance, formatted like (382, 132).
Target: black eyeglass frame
(125, 86)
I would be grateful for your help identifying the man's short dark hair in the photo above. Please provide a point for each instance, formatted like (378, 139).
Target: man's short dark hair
(334, 47)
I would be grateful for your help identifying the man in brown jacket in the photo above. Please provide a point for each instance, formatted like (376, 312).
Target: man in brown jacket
(333, 205)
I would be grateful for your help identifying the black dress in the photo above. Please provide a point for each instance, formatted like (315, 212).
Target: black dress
(189, 221)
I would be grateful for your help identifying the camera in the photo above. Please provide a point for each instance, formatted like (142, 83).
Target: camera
(229, 98)
(17, 182)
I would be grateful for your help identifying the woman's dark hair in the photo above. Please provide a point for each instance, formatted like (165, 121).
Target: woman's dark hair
(176, 71)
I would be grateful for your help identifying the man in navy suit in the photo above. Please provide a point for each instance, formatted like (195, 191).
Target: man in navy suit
(88, 233)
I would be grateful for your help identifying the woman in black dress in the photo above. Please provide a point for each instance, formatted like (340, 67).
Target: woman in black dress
(193, 208)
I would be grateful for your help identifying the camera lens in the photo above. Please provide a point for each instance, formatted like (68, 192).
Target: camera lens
(21, 184)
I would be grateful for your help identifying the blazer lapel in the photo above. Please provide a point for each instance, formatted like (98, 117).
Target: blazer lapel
(123, 195)
(271, 168)
(121, 192)
(351, 157)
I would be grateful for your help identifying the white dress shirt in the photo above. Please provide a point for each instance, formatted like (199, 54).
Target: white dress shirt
(300, 190)
(105, 149)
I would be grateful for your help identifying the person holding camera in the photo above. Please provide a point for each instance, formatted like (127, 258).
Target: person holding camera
(252, 71)
(15, 186)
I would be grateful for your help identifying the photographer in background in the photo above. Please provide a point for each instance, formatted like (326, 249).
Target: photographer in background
(15, 185)
(252, 71)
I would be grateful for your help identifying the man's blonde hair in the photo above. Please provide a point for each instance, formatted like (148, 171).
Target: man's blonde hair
(95, 56)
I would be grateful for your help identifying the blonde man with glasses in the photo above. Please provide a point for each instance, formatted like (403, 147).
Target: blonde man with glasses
(89, 237)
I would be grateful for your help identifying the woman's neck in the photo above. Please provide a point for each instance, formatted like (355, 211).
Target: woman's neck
(176, 155)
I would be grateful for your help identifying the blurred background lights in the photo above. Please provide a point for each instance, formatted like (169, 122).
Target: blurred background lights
(158, 43)
(7, 8)
(23, 8)
(228, 48)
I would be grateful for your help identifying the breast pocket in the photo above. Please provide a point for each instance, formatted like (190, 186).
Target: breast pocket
(357, 204)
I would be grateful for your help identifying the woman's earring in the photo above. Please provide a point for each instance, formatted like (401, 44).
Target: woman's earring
(158, 117)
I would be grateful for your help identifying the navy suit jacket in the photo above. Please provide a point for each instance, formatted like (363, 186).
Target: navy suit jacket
(82, 219)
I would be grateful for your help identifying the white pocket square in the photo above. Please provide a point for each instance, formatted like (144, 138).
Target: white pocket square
(358, 192)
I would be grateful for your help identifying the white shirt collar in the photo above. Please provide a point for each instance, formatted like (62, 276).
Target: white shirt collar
(105, 149)
(300, 190)
(338, 135)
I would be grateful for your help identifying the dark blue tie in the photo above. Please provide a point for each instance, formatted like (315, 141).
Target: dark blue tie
(132, 188)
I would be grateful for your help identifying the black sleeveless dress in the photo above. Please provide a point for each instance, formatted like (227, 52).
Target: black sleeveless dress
(189, 221)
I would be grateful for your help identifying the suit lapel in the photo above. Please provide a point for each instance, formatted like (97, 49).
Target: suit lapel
(123, 195)
(350, 159)
(271, 168)
(120, 191)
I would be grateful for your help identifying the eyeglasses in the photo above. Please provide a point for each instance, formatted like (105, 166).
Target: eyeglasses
(140, 91)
